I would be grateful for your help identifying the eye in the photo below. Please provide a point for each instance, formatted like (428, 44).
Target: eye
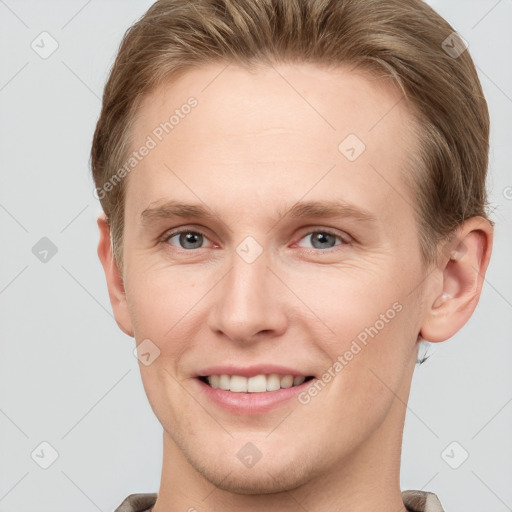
(186, 239)
(322, 239)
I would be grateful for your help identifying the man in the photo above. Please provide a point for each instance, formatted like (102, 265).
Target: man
(294, 197)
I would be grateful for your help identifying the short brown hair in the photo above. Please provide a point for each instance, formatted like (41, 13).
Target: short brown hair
(401, 39)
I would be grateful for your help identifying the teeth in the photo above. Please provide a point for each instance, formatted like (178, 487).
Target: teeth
(224, 381)
(238, 384)
(273, 382)
(298, 380)
(256, 384)
(287, 381)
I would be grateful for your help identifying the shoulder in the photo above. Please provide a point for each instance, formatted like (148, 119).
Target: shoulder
(137, 503)
(421, 501)
(415, 501)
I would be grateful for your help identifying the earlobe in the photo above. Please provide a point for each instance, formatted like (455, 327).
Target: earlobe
(114, 278)
(452, 302)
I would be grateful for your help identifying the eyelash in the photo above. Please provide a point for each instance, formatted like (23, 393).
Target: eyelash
(171, 234)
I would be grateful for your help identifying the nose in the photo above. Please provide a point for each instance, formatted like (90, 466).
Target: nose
(249, 302)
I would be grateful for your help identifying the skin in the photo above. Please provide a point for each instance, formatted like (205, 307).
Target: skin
(251, 149)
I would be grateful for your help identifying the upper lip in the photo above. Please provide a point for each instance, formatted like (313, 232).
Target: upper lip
(250, 371)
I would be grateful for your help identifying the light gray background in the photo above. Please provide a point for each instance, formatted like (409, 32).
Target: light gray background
(67, 373)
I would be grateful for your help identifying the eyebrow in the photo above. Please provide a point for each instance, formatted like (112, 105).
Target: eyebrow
(301, 209)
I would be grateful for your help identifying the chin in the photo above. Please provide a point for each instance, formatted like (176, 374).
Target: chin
(268, 478)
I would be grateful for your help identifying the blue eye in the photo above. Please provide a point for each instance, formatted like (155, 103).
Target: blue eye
(322, 239)
(188, 239)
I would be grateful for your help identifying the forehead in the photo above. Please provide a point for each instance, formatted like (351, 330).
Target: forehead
(255, 137)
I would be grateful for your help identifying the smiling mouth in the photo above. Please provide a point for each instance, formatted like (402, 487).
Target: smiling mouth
(256, 384)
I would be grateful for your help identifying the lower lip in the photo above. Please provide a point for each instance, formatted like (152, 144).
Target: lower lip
(251, 403)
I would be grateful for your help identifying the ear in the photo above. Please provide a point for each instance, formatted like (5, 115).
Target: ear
(114, 278)
(463, 264)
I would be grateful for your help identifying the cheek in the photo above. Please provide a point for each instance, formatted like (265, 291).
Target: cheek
(159, 299)
(372, 319)
(349, 300)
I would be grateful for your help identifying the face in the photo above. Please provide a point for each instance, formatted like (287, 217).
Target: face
(305, 262)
